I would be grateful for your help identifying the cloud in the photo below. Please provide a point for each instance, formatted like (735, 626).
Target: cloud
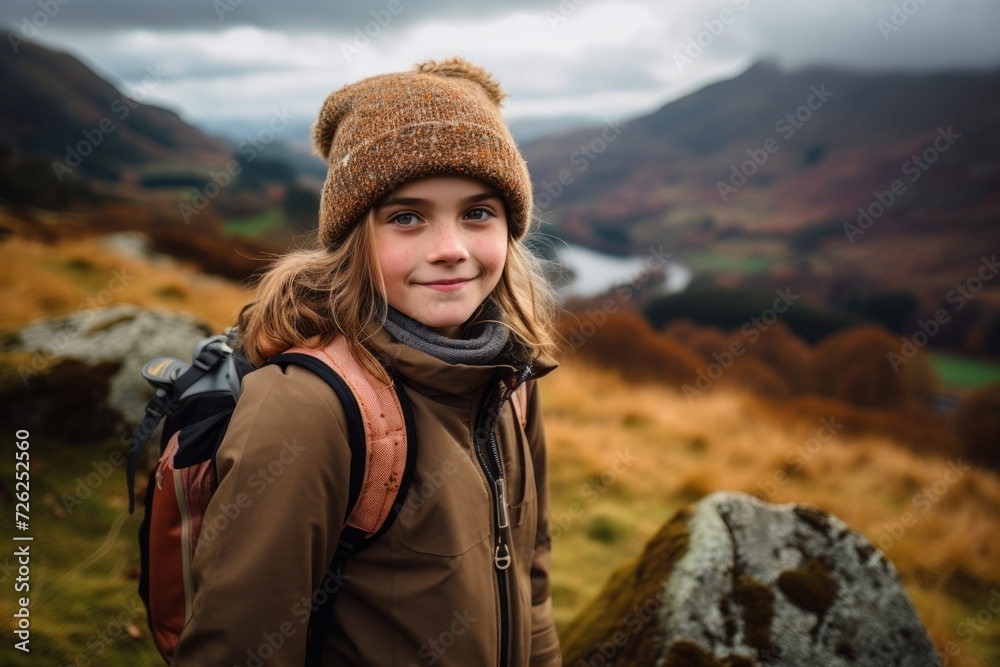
(214, 15)
(565, 58)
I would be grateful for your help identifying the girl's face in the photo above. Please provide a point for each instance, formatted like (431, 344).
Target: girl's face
(441, 243)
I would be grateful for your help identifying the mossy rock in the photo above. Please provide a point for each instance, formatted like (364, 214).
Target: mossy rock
(732, 581)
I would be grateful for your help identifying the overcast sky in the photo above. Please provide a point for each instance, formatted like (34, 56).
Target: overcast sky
(235, 60)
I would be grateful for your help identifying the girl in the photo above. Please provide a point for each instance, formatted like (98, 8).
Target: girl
(423, 271)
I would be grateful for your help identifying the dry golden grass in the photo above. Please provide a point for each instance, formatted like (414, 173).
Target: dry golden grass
(948, 556)
(70, 275)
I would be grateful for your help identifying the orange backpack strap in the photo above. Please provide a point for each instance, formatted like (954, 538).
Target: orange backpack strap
(385, 434)
(379, 480)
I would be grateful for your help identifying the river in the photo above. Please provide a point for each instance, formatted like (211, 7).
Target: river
(596, 272)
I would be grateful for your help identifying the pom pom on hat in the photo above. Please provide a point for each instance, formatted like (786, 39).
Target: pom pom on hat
(461, 68)
(378, 133)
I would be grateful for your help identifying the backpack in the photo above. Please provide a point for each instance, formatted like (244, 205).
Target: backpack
(197, 401)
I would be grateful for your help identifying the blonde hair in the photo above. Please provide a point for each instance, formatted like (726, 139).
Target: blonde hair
(309, 296)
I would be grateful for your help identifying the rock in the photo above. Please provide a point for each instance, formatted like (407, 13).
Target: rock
(79, 374)
(735, 582)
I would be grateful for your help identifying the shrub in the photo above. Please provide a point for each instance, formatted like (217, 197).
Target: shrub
(759, 377)
(708, 341)
(626, 342)
(732, 308)
(853, 366)
(783, 351)
(978, 425)
(681, 329)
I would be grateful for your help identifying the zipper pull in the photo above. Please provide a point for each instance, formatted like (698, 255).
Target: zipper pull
(501, 557)
(503, 519)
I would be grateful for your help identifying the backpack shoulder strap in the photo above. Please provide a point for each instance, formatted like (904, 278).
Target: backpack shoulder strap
(383, 455)
(384, 430)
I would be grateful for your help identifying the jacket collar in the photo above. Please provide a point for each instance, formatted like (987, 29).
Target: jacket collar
(439, 379)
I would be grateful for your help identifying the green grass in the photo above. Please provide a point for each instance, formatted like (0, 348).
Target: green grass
(83, 560)
(255, 225)
(966, 373)
(710, 262)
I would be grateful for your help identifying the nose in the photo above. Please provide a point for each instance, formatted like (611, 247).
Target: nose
(447, 245)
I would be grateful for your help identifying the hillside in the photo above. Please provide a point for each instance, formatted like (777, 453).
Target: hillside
(53, 103)
(70, 140)
(854, 132)
(756, 183)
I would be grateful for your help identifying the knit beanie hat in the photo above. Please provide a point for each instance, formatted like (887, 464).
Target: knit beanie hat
(441, 118)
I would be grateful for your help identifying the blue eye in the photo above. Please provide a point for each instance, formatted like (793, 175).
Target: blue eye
(396, 220)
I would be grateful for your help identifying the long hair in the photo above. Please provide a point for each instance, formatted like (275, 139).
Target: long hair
(309, 296)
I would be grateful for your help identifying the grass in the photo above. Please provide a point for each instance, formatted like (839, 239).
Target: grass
(948, 559)
(84, 558)
(255, 225)
(622, 460)
(73, 276)
(965, 373)
(713, 262)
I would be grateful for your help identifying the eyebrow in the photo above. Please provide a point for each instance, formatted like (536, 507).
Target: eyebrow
(415, 201)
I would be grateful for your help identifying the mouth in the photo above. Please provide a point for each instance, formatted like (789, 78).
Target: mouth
(449, 285)
(451, 281)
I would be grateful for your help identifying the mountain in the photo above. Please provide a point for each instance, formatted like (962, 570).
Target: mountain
(819, 140)
(54, 105)
(873, 193)
(70, 139)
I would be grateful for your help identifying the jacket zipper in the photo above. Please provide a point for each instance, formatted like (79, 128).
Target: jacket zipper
(498, 394)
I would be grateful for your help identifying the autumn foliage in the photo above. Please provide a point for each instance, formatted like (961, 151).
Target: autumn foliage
(978, 425)
(626, 342)
(847, 376)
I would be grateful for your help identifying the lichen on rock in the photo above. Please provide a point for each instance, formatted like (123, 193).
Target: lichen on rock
(738, 582)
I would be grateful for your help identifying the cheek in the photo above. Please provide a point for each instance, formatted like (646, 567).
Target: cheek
(394, 262)
(494, 255)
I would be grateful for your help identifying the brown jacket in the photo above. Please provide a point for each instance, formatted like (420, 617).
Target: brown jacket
(427, 592)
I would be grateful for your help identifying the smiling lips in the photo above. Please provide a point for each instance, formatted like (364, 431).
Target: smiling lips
(449, 285)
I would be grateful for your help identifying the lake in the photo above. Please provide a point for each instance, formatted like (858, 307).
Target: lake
(596, 272)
